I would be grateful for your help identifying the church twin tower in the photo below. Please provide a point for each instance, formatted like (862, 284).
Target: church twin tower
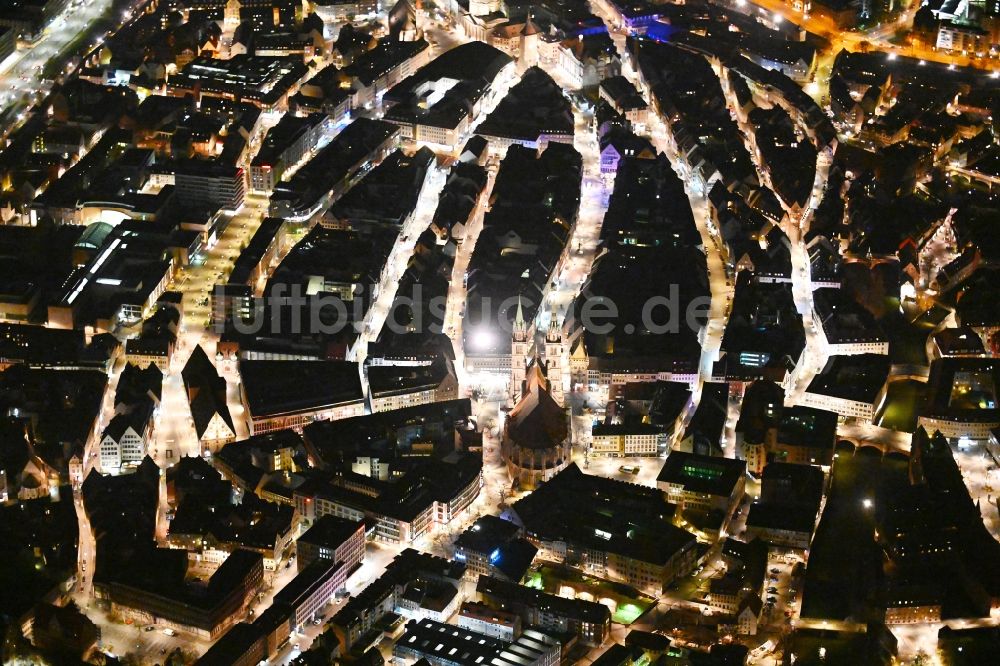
(522, 353)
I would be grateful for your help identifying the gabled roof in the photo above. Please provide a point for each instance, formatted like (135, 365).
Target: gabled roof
(198, 367)
(135, 419)
(206, 392)
(530, 27)
(206, 404)
(537, 420)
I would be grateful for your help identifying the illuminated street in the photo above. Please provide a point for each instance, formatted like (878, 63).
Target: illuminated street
(808, 474)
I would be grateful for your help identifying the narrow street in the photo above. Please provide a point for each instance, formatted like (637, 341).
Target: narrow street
(397, 262)
(795, 225)
(455, 308)
(721, 287)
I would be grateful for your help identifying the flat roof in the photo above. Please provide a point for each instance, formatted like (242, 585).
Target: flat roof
(603, 514)
(964, 388)
(487, 534)
(446, 643)
(807, 426)
(506, 592)
(857, 377)
(712, 475)
(443, 92)
(379, 61)
(307, 582)
(279, 138)
(277, 387)
(844, 321)
(331, 531)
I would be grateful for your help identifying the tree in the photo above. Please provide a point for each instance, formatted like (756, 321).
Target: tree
(924, 22)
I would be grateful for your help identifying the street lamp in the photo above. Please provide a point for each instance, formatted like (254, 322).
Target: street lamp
(483, 339)
(867, 504)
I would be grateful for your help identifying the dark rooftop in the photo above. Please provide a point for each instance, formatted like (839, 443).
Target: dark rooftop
(276, 387)
(536, 106)
(603, 514)
(859, 377)
(710, 475)
(470, 69)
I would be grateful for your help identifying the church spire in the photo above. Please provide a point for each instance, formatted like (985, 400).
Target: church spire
(554, 333)
(520, 326)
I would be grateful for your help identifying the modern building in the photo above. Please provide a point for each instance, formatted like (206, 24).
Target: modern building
(433, 492)
(243, 645)
(852, 386)
(764, 336)
(788, 508)
(263, 81)
(616, 530)
(303, 597)
(480, 618)
(332, 538)
(208, 185)
(844, 326)
(805, 436)
(438, 104)
(434, 427)
(387, 196)
(408, 572)
(625, 440)
(535, 647)
(28, 19)
(533, 113)
(8, 40)
(313, 588)
(333, 169)
(156, 592)
(285, 145)
(959, 341)
(495, 547)
(291, 394)
(697, 481)
(963, 399)
(254, 265)
(338, 11)
(377, 70)
(120, 282)
(961, 36)
(445, 645)
(588, 620)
